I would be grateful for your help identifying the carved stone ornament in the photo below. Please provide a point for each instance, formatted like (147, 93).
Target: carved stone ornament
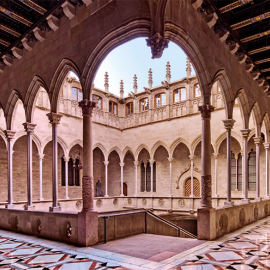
(38, 225)
(79, 205)
(87, 106)
(165, 84)
(144, 201)
(206, 111)
(147, 90)
(206, 191)
(9, 134)
(87, 190)
(54, 118)
(161, 202)
(181, 203)
(115, 201)
(129, 201)
(99, 203)
(29, 127)
(157, 44)
(68, 229)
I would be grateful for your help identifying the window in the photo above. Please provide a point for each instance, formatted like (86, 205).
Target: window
(76, 94)
(70, 172)
(144, 104)
(239, 172)
(252, 170)
(160, 100)
(196, 187)
(73, 172)
(233, 171)
(197, 90)
(129, 108)
(113, 107)
(179, 95)
(63, 169)
(146, 177)
(98, 101)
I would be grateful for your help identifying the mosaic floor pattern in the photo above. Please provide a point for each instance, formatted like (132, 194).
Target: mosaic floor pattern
(247, 251)
(22, 255)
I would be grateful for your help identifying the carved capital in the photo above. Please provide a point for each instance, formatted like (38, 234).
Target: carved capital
(106, 163)
(206, 111)
(257, 140)
(245, 133)
(9, 134)
(122, 164)
(66, 159)
(54, 118)
(151, 161)
(266, 145)
(136, 163)
(29, 127)
(206, 191)
(216, 155)
(191, 157)
(228, 124)
(87, 106)
(170, 159)
(41, 156)
(157, 44)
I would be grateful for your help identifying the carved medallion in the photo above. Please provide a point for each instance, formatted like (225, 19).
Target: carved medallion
(79, 205)
(144, 201)
(161, 202)
(181, 203)
(129, 201)
(99, 203)
(115, 201)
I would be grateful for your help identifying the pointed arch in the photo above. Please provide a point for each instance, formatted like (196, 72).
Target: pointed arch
(117, 150)
(244, 107)
(2, 134)
(59, 140)
(266, 126)
(156, 146)
(78, 141)
(126, 150)
(10, 106)
(139, 149)
(31, 96)
(102, 148)
(223, 137)
(65, 66)
(176, 143)
(257, 117)
(197, 140)
(251, 134)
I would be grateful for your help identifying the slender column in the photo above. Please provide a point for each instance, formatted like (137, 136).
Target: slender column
(29, 128)
(245, 133)
(40, 157)
(170, 160)
(216, 170)
(236, 172)
(66, 159)
(206, 182)
(73, 171)
(87, 181)
(106, 163)
(145, 172)
(243, 172)
(152, 174)
(191, 157)
(266, 147)
(258, 141)
(122, 178)
(9, 135)
(136, 163)
(54, 119)
(228, 124)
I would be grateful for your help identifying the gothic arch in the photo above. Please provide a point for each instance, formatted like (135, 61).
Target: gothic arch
(78, 141)
(59, 140)
(126, 150)
(266, 126)
(197, 140)
(102, 148)
(2, 134)
(223, 136)
(117, 150)
(10, 106)
(156, 146)
(176, 143)
(244, 107)
(251, 133)
(257, 117)
(31, 96)
(139, 149)
(61, 72)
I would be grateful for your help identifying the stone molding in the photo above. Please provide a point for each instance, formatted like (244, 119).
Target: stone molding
(66, 159)
(228, 124)
(206, 111)
(136, 163)
(29, 127)
(122, 164)
(151, 161)
(257, 140)
(87, 106)
(170, 159)
(216, 155)
(106, 163)
(54, 118)
(245, 133)
(266, 145)
(9, 134)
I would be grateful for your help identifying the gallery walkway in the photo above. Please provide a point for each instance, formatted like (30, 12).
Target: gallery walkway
(244, 249)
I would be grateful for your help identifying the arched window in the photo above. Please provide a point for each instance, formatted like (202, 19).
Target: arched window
(233, 171)
(239, 172)
(179, 95)
(70, 172)
(113, 107)
(197, 90)
(144, 104)
(160, 100)
(196, 187)
(142, 177)
(146, 177)
(129, 108)
(98, 101)
(252, 170)
(76, 94)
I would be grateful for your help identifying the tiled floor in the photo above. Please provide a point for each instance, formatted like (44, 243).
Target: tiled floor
(248, 248)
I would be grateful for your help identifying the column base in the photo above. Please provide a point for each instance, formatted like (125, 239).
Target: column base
(191, 196)
(66, 198)
(122, 195)
(258, 199)
(55, 208)
(245, 200)
(41, 199)
(10, 206)
(106, 196)
(29, 207)
(229, 204)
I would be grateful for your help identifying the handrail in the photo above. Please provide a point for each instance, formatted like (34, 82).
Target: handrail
(121, 214)
(173, 225)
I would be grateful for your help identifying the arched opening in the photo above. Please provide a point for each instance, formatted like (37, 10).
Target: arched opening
(129, 174)
(114, 174)
(145, 170)
(196, 187)
(99, 169)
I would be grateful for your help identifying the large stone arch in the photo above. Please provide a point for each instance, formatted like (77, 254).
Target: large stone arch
(102, 148)
(75, 142)
(31, 96)
(59, 140)
(257, 117)
(176, 142)
(223, 136)
(197, 140)
(117, 150)
(139, 149)
(266, 126)
(156, 146)
(244, 107)
(127, 150)
(65, 66)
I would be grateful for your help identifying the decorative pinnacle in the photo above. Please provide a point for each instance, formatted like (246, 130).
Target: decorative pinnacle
(106, 81)
(168, 72)
(135, 85)
(121, 89)
(188, 69)
(150, 78)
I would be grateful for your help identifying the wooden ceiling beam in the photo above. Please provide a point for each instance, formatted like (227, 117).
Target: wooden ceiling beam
(234, 5)
(35, 6)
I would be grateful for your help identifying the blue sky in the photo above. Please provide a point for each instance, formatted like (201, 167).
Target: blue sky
(134, 57)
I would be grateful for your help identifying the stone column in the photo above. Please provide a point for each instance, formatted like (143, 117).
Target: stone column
(216, 169)
(245, 133)
(228, 124)
(136, 163)
(40, 157)
(88, 218)
(66, 159)
(152, 174)
(191, 157)
(9, 135)
(106, 163)
(266, 147)
(29, 128)
(54, 119)
(145, 172)
(206, 193)
(170, 161)
(74, 171)
(236, 172)
(122, 178)
(258, 141)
